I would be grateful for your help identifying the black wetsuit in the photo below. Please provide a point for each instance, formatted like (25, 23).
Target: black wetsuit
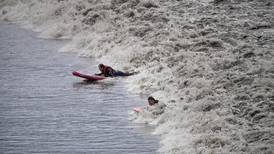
(110, 72)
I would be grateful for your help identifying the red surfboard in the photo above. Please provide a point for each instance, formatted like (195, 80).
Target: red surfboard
(88, 77)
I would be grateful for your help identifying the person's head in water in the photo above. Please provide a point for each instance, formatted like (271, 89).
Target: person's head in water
(152, 101)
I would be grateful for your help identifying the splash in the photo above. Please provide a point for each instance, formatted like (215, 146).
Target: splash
(210, 61)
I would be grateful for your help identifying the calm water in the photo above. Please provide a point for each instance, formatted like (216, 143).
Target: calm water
(43, 109)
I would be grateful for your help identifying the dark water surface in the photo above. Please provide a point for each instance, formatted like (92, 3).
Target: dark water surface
(43, 109)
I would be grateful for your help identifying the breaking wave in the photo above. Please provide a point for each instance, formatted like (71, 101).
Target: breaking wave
(210, 61)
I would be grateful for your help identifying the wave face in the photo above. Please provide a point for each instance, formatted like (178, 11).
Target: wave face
(210, 61)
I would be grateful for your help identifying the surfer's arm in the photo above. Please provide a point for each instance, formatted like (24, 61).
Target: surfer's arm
(111, 72)
(99, 74)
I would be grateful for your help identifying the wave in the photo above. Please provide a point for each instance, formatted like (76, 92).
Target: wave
(210, 61)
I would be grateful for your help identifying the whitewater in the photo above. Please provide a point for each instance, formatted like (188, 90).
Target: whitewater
(210, 61)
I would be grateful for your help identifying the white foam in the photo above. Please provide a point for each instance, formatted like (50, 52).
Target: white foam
(210, 61)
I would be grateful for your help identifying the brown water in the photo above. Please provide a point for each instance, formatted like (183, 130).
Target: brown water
(44, 109)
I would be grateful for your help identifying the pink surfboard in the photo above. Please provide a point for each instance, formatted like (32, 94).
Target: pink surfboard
(88, 77)
(137, 109)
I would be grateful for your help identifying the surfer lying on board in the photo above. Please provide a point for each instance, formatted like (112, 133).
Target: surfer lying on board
(154, 106)
(108, 71)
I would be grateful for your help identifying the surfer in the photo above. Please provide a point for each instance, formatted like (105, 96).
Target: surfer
(154, 106)
(108, 71)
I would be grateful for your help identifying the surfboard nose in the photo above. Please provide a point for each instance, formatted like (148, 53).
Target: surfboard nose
(75, 73)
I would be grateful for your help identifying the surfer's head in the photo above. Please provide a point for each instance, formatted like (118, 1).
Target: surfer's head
(101, 66)
(152, 101)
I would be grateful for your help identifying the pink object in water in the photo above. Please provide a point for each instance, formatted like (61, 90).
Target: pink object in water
(88, 77)
(137, 109)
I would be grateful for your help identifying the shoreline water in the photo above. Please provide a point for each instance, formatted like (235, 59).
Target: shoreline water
(209, 60)
(49, 100)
